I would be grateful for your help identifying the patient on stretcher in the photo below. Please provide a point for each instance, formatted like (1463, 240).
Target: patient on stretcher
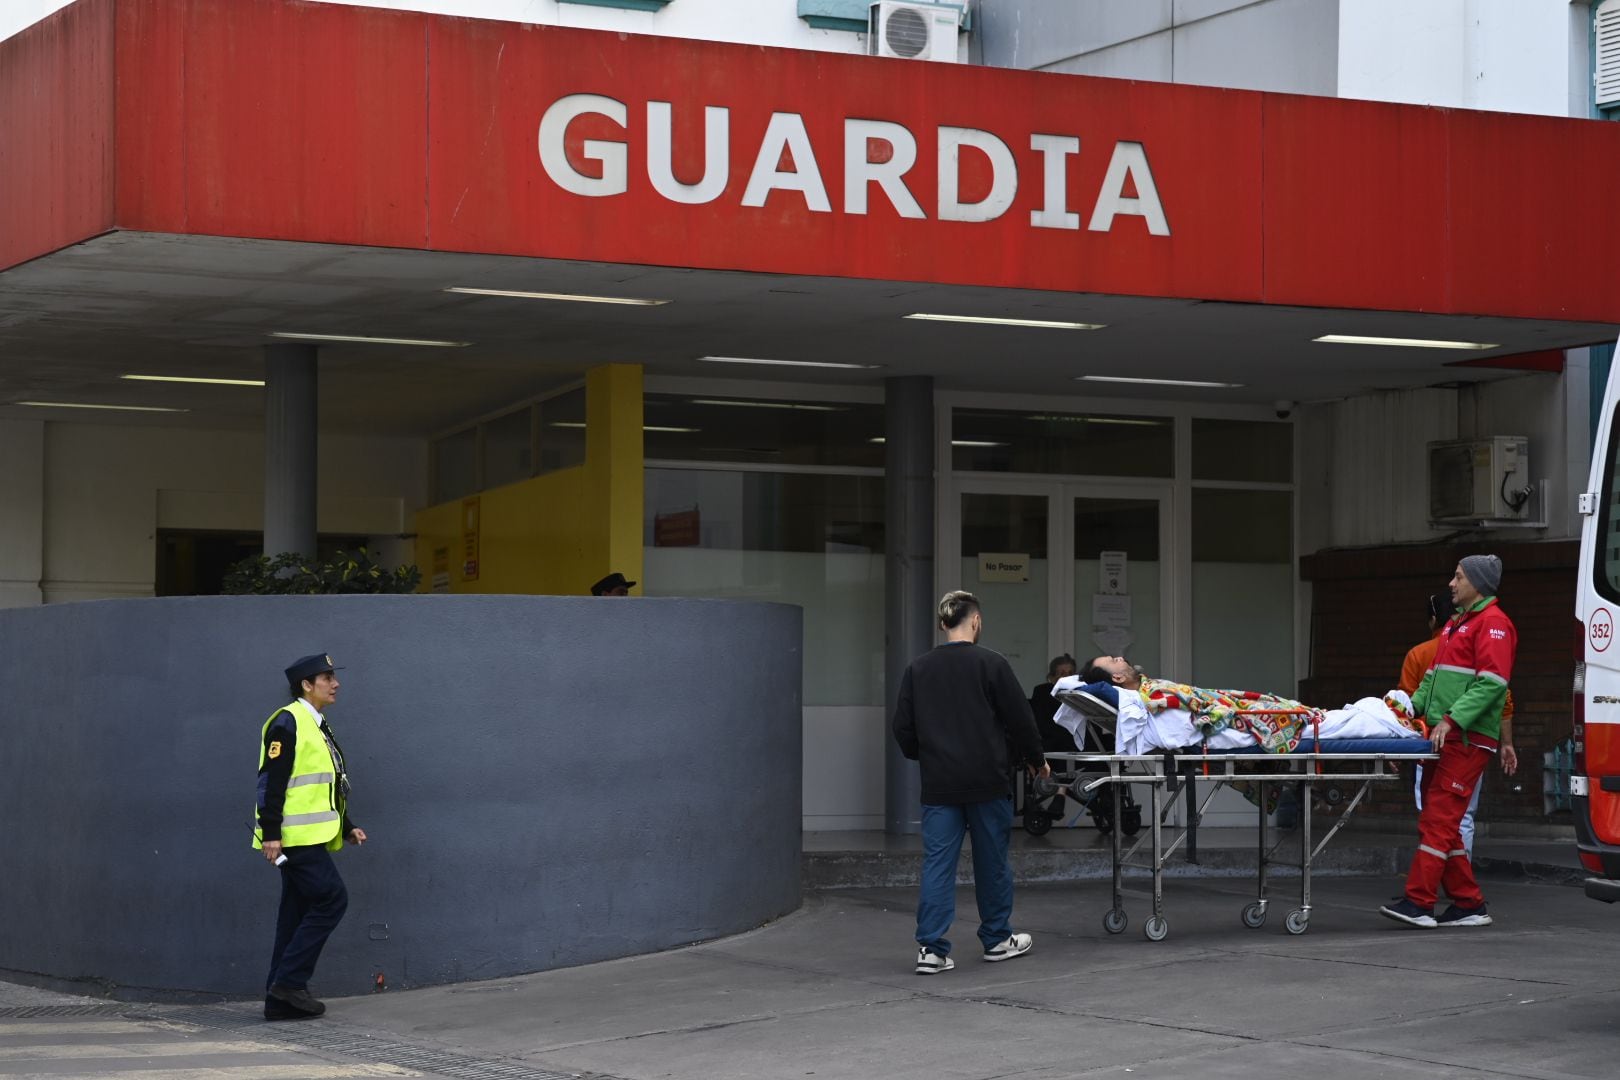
(1155, 714)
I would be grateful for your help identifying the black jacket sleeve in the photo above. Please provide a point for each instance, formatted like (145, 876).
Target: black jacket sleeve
(280, 743)
(905, 719)
(1012, 709)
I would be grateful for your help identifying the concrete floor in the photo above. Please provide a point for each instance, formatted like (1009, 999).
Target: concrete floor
(829, 993)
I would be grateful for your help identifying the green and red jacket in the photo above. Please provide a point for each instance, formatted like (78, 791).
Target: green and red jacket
(1467, 683)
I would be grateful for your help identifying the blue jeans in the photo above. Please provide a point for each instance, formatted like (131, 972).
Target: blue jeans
(943, 827)
(313, 900)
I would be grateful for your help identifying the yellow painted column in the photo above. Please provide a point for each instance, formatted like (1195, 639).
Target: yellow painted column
(614, 466)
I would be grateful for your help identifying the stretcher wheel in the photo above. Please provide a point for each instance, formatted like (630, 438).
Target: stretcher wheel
(1156, 929)
(1254, 916)
(1130, 821)
(1298, 921)
(1115, 921)
(1036, 823)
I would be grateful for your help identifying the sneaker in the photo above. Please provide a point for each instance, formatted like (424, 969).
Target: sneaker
(930, 962)
(1017, 945)
(1403, 910)
(1461, 916)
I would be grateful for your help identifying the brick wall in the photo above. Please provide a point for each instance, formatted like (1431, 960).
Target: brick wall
(1367, 611)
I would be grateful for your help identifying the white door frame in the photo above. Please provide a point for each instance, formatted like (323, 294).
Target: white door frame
(1060, 492)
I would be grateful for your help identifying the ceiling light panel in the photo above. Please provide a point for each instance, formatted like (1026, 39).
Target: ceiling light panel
(191, 379)
(1402, 342)
(631, 301)
(786, 363)
(1159, 382)
(1044, 324)
(359, 340)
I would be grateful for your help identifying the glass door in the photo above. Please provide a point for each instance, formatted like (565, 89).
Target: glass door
(1005, 543)
(1118, 600)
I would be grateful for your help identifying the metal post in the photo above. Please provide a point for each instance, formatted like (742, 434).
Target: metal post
(908, 571)
(290, 474)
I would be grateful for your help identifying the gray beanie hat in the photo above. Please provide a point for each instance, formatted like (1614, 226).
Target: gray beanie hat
(1485, 571)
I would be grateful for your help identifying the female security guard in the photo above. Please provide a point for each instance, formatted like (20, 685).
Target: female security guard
(302, 817)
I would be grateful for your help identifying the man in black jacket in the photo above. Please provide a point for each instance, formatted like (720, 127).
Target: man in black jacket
(959, 707)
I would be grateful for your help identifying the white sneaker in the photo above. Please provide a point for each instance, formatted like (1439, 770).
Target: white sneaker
(931, 963)
(1017, 945)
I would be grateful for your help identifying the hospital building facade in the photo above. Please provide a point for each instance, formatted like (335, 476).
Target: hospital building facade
(1137, 319)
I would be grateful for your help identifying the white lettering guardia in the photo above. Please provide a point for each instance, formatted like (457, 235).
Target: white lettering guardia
(785, 161)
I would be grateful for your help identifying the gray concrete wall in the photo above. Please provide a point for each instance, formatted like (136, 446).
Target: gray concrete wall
(546, 781)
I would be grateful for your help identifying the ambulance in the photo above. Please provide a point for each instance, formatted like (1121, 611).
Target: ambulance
(1594, 785)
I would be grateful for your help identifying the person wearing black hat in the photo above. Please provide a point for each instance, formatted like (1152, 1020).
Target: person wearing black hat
(612, 585)
(302, 816)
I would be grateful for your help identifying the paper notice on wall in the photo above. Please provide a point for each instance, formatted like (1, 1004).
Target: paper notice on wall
(1110, 612)
(1113, 642)
(1112, 573)
(441, 569)
(1003, 566)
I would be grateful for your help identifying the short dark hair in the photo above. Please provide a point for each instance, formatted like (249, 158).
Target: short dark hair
(296, 689)
(1058, 661)
(955, 606)
(1097, 673)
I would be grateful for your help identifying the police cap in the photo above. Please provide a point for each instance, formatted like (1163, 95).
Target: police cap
(308, 667)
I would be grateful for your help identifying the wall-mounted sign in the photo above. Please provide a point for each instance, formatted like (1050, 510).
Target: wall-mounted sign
(1000, 566)
(1111, 572)
(1110, 612)
(679, 528)
(441, 569)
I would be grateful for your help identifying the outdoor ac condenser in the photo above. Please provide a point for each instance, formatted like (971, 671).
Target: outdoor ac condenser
(1474, 480)
(913, 31)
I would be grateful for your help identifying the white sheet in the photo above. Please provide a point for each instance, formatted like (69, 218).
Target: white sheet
(1139, 731)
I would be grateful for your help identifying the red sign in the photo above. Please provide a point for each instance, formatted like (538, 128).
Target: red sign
(681, 528)
(334, 124)
(1601, 630)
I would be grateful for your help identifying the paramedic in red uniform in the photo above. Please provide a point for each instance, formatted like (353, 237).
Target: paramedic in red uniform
(1462, 697)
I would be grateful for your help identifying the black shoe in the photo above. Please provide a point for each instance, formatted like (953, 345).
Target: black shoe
(278, 1010)
(297, 999)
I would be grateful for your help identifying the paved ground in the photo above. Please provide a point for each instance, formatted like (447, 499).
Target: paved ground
(829, 993)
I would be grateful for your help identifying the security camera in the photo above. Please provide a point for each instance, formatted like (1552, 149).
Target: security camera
(1285, 409)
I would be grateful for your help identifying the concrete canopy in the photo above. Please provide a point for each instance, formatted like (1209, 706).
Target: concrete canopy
(193, 175)
(73, 323)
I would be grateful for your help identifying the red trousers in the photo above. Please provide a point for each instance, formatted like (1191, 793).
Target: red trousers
(1448, 785)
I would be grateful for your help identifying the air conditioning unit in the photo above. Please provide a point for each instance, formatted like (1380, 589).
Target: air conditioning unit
(913, 31)
(1475, 480)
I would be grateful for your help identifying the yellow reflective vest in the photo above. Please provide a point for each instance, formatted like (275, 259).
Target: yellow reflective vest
(313, 810)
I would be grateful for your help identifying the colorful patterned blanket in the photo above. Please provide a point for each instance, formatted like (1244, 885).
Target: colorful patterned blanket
(1240, 710)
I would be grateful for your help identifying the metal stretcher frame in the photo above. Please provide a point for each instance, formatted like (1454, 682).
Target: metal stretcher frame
(1169, 773)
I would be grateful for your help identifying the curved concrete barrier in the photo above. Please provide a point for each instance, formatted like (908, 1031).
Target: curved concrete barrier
(546, 781)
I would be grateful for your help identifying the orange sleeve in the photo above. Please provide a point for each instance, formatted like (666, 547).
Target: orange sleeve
(1416, 665)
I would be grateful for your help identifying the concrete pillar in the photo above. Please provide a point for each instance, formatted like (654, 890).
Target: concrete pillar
(290, 474)
(22, 512)
(908, 608)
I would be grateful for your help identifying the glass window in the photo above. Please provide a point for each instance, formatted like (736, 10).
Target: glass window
(455, 466)
(508, 448)
(1261, 450)
(683, 427)
(1131, 527)
(1243, 590)
(562, 431)
(1607, 548)
(1070, 444)
(1016, 603)
(815, 541)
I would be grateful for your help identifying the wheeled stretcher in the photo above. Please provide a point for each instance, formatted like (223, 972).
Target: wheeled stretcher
(1339, 765)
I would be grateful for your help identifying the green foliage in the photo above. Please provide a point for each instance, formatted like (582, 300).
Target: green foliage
(290, 574)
